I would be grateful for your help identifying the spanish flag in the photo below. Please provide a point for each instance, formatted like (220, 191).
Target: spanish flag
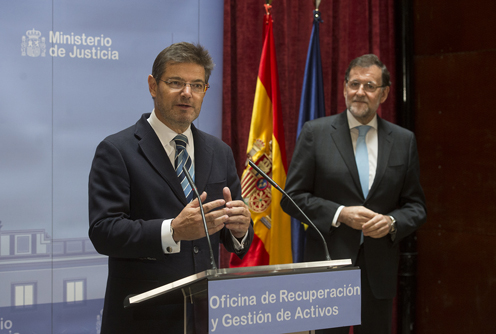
(266, 148)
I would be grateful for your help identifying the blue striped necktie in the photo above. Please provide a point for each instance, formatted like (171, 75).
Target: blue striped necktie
(181, 159)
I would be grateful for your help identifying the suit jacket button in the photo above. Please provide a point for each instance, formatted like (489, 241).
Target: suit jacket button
(196, 249)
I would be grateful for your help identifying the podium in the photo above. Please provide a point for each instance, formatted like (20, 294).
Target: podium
(265, 299)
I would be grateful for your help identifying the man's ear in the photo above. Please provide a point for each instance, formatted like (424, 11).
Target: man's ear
(385, 93)
(152, 86)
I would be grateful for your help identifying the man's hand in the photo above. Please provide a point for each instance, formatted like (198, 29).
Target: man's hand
(188, 225)
(377, 227)
(372, 224)
(355, 216)
(239, 215)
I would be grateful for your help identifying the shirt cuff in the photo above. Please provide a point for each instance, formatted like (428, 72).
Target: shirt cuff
(335, 222)
(169, 246)
(239, 245)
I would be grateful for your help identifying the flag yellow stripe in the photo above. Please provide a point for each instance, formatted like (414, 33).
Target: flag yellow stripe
(277, 240)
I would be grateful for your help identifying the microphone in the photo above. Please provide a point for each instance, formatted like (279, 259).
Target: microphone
(193, 186)
(274, 184)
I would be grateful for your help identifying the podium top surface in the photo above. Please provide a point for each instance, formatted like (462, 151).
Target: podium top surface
(240, 272)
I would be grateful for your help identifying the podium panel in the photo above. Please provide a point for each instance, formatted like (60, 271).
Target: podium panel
(284, 304)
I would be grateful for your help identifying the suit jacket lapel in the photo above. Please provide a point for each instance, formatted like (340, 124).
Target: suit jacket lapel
(342, 138)
(154, 151)
(203, 154)
(385, 143)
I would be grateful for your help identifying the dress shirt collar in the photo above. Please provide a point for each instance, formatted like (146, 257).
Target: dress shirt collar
(353, 122)
(164, 132)
(166, 135)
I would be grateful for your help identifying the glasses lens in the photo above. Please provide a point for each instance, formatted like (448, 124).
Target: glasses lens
(197, 87)
(354, 85)
(368, 87)
(175, 84)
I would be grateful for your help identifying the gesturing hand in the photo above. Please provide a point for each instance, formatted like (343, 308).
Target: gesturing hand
(239, 216)
(188, 225)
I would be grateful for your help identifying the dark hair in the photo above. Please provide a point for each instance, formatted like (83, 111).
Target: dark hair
(183, 52)
(367, 61)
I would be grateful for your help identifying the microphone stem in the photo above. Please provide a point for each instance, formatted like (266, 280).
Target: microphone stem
(328, 257)
(192, 184)
(273, 183)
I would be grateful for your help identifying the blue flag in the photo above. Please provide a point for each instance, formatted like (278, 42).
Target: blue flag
(311, 107)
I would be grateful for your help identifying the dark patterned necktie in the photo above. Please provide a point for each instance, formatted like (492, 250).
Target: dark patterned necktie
(181, 159)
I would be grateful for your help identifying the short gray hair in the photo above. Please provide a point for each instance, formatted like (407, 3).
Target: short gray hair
(183, 52)
(367, 61)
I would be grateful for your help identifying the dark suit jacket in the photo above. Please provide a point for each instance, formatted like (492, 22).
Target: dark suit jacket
(323, 176)
(132, 188)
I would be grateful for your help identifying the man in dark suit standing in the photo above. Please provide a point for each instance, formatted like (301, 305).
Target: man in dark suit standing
(140, 206)
(357, 178)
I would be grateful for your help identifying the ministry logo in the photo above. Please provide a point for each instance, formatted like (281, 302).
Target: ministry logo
(32, 45)
(73, 45)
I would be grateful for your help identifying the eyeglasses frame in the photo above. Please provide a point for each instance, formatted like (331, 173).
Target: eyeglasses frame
(207, 86)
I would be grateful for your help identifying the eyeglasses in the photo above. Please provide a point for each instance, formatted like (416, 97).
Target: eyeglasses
(368, 86)
(196, 87)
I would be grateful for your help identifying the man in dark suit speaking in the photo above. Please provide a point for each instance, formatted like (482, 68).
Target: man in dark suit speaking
(357, 178)
(140, 205)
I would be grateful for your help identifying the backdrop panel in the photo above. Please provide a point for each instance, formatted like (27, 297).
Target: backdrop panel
(71, 73)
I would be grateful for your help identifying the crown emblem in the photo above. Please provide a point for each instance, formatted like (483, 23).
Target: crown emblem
(33, 45)
(33, 33)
